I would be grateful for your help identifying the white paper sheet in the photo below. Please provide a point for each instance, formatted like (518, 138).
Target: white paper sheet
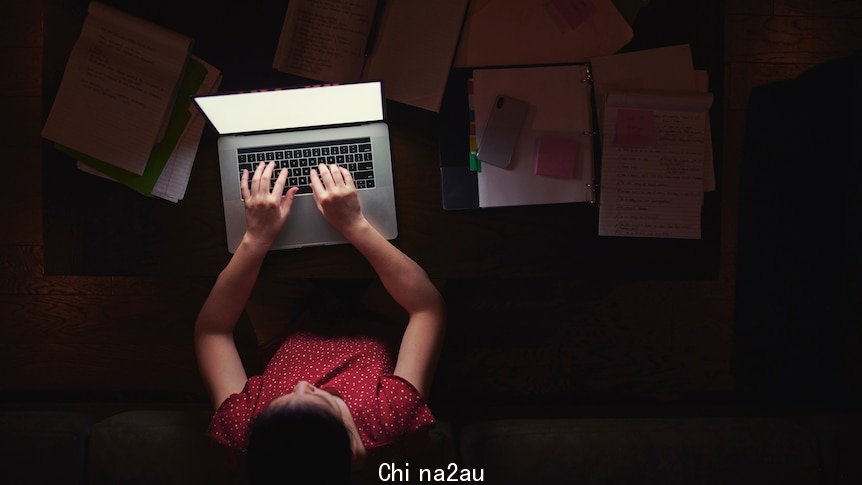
(654, 189)
(662, 69)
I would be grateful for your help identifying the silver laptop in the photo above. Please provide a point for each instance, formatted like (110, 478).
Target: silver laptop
(298, 129)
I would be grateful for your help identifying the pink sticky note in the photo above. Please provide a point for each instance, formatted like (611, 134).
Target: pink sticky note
(556, 156)
(573, 12)
(635, 128)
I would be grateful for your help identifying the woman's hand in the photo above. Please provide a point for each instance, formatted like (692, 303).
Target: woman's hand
(335, 194)
(265, 211)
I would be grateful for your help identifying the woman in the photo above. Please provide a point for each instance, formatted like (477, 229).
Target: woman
(322, 402)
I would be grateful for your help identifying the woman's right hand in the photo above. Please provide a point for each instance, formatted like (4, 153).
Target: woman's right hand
(335, 195)
(265, 210)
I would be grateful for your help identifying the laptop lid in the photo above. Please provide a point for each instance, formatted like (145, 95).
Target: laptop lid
(294, 108)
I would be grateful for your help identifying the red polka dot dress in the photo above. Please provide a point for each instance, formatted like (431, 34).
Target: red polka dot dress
(359, 369)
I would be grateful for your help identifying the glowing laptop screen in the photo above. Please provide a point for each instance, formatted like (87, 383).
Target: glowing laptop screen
(286, 109)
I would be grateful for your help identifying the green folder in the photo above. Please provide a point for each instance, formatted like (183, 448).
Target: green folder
(180, 116)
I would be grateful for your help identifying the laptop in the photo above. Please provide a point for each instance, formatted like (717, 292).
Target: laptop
(298, 128)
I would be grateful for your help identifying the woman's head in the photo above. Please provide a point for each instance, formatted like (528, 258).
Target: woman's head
(300, 438)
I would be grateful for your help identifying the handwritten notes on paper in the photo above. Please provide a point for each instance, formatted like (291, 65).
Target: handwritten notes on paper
(652, 165)
(407, 45)
(635, 128)
(118, 88)
(325, 39)
(103, 77)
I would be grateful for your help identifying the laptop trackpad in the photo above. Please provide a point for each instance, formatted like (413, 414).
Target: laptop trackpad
(306, 226)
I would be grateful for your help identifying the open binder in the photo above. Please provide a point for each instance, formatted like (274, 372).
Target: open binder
(562, 103)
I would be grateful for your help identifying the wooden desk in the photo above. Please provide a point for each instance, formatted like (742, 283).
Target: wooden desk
(92, 226)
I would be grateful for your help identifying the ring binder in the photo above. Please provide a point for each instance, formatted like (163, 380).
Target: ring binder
(563, 107)
(594, 189)
(589, 74)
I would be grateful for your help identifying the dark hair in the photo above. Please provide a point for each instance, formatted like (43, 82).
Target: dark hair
(298, 443)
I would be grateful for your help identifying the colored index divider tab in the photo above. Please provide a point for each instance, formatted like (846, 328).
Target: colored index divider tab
(571, 13)
(475, 164)
(635, 128)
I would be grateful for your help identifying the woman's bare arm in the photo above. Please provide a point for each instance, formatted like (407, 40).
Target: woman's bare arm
(219, 362)
(406, 281)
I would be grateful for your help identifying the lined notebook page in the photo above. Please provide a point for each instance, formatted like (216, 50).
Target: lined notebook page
(324, 39)
(118, 88)
(666, 69)
(652, 164)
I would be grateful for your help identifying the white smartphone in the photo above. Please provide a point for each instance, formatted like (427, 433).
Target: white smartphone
(500, 134)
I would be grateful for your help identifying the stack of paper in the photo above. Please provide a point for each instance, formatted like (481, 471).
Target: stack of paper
(656, 145)
(124, 109)
(170, 165)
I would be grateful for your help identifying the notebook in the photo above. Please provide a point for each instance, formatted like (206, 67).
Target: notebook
(298, 128)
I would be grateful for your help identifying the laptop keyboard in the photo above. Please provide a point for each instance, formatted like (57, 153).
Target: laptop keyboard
(354, 154)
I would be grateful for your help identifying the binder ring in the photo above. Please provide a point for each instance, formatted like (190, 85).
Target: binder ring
(592, 188)
(589, 77)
